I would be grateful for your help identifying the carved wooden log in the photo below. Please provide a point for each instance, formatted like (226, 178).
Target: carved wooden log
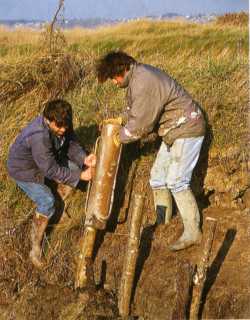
(100, 197)
(201, 273)
(131, 256)
(99, 202)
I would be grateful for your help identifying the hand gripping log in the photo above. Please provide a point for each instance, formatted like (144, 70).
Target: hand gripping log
(100, 197)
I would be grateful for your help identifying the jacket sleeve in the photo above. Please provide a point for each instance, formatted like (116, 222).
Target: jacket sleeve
(75, 151)
(42, 153)
(145, 107)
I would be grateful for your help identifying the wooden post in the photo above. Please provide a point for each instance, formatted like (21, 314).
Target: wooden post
(86, 249)
(201, 273)
(123, 213)
(131, 256)
(184, 279)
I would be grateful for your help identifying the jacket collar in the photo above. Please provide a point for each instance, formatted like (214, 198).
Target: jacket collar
(128, 76)
(50, 132)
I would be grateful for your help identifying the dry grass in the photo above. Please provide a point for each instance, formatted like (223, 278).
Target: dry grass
(46, 77)
(211, 61)
(19, 36)
(235, 19)
(46, 73)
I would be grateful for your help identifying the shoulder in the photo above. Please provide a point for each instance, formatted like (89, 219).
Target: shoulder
(147, 77)
(141, 77)
(38, 130)
(148, 72)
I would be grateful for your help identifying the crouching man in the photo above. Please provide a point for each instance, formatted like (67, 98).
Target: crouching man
(156, 99)
(47, 148)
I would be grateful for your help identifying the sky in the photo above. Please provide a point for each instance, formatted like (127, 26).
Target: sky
(114, 9)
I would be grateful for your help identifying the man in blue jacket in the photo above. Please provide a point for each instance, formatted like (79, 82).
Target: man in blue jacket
(47, 148)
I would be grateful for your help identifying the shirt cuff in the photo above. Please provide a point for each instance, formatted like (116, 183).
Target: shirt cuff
(126, 136)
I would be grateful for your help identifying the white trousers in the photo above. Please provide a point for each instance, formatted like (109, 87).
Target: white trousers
(173, 167)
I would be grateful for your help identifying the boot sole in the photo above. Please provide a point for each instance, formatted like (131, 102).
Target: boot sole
(185, 246)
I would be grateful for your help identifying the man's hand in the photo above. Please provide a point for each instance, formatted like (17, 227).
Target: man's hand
(86, 175)
(90, 160)
(110, 121)
(113, 121)
(116, 139)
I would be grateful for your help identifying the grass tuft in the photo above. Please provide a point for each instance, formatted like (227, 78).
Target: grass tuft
(235, 19)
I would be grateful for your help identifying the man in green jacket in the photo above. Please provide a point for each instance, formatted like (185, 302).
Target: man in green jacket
(154, 98)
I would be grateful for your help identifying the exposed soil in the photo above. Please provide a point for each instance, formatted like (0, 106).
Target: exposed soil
(226, 294)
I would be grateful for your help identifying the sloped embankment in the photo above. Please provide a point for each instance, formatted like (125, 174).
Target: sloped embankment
(211, 62)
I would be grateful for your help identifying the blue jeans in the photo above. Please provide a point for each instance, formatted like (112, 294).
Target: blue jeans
(41, 194)
(173, 167)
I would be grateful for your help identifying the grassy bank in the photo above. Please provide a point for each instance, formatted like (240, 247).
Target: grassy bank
(209, 60)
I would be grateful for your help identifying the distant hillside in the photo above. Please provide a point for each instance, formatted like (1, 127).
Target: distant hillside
(95, 22)
(113, 9)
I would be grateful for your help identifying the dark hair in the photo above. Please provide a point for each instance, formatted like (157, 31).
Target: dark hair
(113, 64)
(59, 111)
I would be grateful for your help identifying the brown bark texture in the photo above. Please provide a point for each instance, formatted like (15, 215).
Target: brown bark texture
(201, 273)
(184, 277)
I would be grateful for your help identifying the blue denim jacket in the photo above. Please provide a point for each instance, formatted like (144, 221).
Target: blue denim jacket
(37, 153)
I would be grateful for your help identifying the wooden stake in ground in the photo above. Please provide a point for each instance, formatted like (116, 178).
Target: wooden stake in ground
(201, 273)
(128, 190)
(184, 279)
(131, 255)
(87, 247)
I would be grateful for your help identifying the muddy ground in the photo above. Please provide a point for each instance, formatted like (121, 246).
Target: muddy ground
(226, 294)
(227, 291)
(28, 294)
